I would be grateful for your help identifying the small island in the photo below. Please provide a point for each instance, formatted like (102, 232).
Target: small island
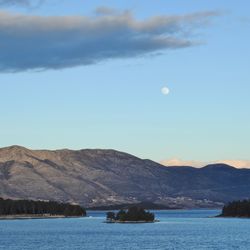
(239, 209)
(132, 215)
(30, 209)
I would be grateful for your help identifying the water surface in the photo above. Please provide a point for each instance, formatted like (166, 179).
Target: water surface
(179, 229)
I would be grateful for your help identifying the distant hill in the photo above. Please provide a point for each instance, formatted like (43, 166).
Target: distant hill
(146, 205)
(107, 177)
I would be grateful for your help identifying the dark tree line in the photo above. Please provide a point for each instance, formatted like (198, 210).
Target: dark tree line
(30, 207)
(132, 214)
(237, 209)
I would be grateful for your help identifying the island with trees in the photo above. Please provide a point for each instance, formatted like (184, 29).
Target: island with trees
(236, 209)
(38, 209)
(131, 215)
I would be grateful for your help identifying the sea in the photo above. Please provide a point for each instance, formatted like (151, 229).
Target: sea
(177, 229)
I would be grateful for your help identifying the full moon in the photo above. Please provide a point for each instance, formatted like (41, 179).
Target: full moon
(165, 90)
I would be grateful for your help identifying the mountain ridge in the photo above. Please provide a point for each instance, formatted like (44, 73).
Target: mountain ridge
(97, 177)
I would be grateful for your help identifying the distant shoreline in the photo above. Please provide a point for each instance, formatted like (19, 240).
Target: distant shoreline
(153, 209)
(29, 217)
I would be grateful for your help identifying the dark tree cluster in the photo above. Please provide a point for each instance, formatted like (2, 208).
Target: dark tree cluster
(132, 214)
(237, 209)
(30, 207)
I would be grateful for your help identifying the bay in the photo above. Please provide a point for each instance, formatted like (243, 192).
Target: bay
(177, 229)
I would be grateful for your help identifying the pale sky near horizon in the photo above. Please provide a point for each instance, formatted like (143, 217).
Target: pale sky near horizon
(94, 79)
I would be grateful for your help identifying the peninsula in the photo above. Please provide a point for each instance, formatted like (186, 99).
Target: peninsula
(239, 209)
(29, 209)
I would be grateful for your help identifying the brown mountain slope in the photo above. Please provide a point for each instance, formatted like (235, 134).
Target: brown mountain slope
(104, 177)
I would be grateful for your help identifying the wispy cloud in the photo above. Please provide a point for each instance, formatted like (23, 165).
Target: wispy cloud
(104, 10)
(26, 3)
(29, 42)
(199, 164)
(14, 2)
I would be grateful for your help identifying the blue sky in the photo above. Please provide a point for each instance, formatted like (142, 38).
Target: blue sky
(116, 102)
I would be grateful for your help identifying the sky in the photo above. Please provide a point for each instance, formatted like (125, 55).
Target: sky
(159, 79)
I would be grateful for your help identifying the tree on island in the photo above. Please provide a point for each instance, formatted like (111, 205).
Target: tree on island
(110, 216)
(237, 209)
(121, 215)
(132, 214)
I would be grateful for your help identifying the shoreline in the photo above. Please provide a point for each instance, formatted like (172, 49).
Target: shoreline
(129, 222)
(232, 217)
(33, 217)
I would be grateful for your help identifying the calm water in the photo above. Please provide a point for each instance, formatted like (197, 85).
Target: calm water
(191, 229)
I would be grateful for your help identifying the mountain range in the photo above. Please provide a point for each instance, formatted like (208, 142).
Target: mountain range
(95, 177)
